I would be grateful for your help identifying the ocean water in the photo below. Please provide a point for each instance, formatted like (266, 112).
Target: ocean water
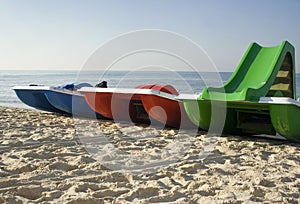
(184, 82)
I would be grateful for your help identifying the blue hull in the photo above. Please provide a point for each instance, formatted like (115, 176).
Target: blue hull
(72, 103)
(36, 99)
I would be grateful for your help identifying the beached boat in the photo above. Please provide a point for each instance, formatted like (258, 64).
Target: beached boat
(262, 72)
(61, 99)
(143, 104)
(71, 101)
(34, 96)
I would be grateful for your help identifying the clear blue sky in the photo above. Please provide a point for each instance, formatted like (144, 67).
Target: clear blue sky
(62, 34)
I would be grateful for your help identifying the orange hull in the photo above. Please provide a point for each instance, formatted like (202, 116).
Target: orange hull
(139, 105)
(166, 111)
(118, 106)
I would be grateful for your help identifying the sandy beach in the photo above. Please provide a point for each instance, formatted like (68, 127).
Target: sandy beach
(43, 160)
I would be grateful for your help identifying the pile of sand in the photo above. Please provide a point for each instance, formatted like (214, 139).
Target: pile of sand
(53, 158)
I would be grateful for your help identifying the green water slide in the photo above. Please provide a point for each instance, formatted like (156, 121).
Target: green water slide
(263, 71)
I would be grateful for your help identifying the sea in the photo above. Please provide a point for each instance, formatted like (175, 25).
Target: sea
(190, 82)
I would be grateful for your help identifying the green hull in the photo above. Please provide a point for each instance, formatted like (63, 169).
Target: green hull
(286, 120)
(233, 117)
(209, 115)
(243, 117)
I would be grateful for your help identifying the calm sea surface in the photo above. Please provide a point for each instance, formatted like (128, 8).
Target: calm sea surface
(184, 82)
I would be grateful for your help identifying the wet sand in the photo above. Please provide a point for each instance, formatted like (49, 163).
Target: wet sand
(49, 158)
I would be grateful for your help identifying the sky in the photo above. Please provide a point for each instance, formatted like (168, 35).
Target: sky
(63, 34)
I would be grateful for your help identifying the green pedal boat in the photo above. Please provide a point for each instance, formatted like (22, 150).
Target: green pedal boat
(259, 97)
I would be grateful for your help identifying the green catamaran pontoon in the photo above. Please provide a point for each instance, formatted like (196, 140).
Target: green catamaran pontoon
(259, 97)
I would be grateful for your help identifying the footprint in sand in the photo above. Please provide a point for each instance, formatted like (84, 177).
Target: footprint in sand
(31, 192)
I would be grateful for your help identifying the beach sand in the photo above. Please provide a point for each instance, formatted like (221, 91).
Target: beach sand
(44, 159)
